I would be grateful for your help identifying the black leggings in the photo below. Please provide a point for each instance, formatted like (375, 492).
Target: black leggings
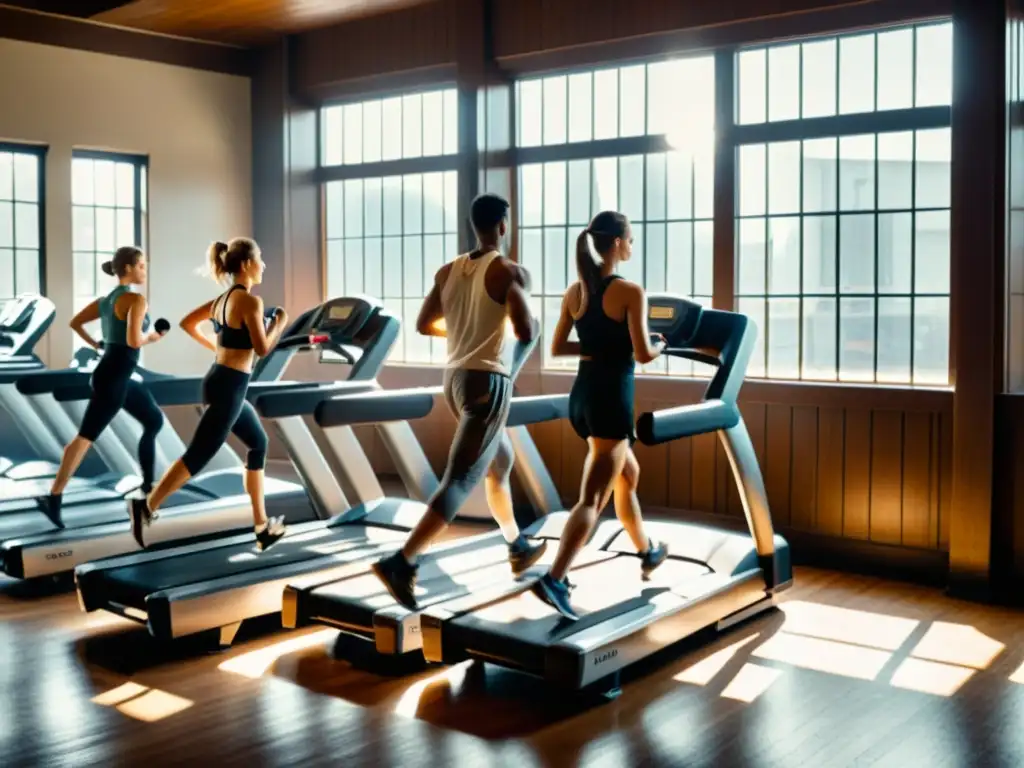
(227, 410)
(114, 389)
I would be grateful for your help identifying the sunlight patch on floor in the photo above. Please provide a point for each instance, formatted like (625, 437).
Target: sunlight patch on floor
(930, 677)
(136, 701)
(750, 682)
(959, 644)
(409, 702)
(705, 670)
(255, 664)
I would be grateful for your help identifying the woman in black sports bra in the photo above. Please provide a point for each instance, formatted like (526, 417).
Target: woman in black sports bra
(610, 317)
(238, 320)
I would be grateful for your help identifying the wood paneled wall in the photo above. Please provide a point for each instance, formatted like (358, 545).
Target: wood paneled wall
(379, 52)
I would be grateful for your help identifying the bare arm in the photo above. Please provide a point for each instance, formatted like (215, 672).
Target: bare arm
(639, 333)
(560, 344)
(191, 322)
(430, 321)
(263, 338)
(89, 314)
(136, 316)
(517, 304)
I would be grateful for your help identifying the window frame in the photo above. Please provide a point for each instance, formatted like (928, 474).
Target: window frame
(734, 135)
(140, 211)
(381, 169)
(40, 152)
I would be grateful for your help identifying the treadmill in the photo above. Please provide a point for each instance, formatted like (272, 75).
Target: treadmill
(712, 576)
(211, 504)
(23, 322)
(217, 585)
(121, 474)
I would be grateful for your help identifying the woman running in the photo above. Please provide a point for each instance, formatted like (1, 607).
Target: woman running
(610, 317)
(125, 325)
(238, 321)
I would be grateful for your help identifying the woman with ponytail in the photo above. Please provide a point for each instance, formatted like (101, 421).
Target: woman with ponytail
(125, 324)
(610, 317)
(238, 320)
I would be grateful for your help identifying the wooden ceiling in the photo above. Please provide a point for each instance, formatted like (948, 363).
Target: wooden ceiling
(239, 22)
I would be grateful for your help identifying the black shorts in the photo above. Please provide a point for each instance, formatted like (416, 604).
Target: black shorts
(601, 402)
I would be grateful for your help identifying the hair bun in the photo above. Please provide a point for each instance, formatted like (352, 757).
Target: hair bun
(220, 247)
(108, 267)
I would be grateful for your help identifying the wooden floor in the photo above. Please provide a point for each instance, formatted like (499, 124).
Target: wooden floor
(851, 671)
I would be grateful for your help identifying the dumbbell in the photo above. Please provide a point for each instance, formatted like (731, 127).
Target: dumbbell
(162, 326)
(268, 315)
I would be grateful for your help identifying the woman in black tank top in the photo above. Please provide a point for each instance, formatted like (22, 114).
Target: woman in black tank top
(610, 317)
(238, 320)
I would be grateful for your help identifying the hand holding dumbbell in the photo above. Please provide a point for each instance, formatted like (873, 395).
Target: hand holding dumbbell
(270, 314)
(162, 326)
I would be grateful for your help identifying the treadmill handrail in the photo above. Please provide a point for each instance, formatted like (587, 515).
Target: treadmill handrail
(10, 375)
(273, 402)
(534, 409)
(46, 382)
(376, 407)
(656, 427)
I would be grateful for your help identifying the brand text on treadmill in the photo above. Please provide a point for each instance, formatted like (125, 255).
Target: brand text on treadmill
(601, 659)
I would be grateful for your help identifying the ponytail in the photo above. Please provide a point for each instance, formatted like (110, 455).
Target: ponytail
(215, 259)
(226, 259)
(588, 268)
(595, 242)
(108, 268)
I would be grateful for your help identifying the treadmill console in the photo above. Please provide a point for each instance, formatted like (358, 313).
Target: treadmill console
(673, 317)
(356, 329)
(23, 321)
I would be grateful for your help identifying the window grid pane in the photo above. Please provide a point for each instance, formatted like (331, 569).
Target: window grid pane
(668, 196)
(411, 126)
(850, 291)
(842, 242)
(108, 206)
(396, 262)
(21, 225)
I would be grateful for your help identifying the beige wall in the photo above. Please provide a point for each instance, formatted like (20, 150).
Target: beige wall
(195, 128)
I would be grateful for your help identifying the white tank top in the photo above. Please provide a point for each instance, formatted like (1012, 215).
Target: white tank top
(475, 324)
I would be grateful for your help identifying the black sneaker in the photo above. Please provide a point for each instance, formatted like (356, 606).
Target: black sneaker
(140, 514)
(555, 594)
(51, 507)
(399, 577)
(522, 554)
(653, 557)
(272, 532)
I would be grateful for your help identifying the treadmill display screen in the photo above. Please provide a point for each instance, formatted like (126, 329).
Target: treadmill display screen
(662, 312)
(340, 311)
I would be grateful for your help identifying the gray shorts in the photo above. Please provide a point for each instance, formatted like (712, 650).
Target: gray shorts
(480, 400)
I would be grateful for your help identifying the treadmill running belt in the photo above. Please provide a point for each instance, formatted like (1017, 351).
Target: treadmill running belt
(455, 573)
(131, 584)
(521, 628)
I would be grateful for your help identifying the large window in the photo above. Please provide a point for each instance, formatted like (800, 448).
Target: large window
(21, 220)
(842, 230)
(391, 204)
(108, 196)
(638, 139)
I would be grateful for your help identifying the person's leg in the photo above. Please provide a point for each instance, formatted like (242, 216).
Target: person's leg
(250, 431)
(141, 406)
(521, 552)
(108, 396)
(482, 401)
(213, 428)
(627, 509)
(603, 466)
